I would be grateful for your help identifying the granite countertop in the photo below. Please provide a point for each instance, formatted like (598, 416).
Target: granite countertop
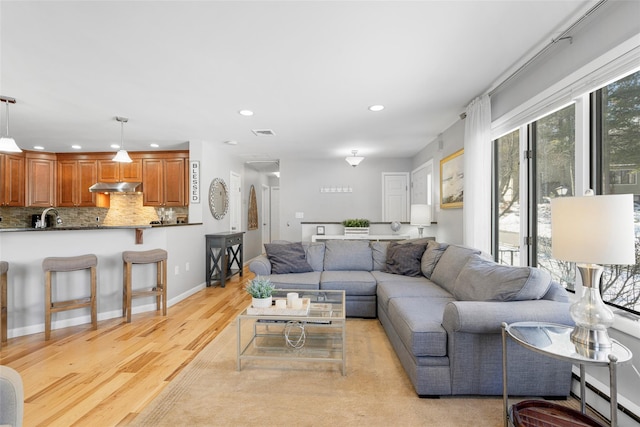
(102, 227)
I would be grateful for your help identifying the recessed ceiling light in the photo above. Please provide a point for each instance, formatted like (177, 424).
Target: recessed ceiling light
(154, 145)
(377, 107)
(232, 142)
(115, 146)
(76, 147)
(246, 113)
(38, 147)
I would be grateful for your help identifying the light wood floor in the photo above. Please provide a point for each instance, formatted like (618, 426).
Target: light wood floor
(106, 377)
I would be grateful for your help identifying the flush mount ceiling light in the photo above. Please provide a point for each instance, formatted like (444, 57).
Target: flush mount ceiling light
(377, 107)
(122, 156)
(76, 147)
(246, 113)
(354, 160)
(8, 144)
(154, 145)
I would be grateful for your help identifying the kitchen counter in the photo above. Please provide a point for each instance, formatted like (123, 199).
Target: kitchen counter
(106, 227)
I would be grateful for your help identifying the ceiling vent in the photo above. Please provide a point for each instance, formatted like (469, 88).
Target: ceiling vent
(263, 132)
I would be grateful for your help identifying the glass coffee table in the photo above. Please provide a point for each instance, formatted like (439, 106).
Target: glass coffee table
(315, 333)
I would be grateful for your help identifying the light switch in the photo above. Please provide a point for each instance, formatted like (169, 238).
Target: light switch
(299, 215)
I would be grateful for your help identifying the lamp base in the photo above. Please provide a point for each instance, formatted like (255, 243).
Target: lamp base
(592, 339)
(591, 316)
(420, 229)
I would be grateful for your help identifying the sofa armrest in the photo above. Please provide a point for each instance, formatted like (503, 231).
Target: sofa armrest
(260, 266)
(487, 316)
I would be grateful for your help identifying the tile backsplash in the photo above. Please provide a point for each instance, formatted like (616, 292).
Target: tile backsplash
(125, 209)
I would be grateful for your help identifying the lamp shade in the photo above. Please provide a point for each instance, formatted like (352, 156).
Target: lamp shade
(122, 156)
(593, 229)
(8, 145)
(420, 215)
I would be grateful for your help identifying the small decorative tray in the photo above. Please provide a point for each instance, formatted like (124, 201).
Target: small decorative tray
(273, 311)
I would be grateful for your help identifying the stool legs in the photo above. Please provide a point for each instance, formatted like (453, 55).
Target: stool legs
(3, 308)
(47, 305)
(51, 307)
(159, 290)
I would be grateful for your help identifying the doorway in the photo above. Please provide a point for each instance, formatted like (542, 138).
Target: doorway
(235, 202)
(395, 196)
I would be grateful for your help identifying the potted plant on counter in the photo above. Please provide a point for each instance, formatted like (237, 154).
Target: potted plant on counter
(356, 226)
(261, 290)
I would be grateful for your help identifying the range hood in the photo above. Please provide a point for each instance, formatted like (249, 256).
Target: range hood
(114, 187)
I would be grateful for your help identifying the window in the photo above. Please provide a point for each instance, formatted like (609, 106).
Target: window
(613, 149)
(617, 153)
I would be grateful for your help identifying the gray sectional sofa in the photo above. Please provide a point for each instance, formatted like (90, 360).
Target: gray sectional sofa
(441, 306)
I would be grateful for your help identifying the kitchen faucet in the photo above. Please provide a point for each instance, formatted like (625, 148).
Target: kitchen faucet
(43, 218)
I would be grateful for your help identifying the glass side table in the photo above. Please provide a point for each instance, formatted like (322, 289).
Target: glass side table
(554, 340)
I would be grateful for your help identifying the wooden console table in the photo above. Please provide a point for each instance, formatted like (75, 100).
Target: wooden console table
(222, 251)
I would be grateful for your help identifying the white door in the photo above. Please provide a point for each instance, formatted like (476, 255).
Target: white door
(395, 196)
(266, 214)
(235, 202)
(275, 213)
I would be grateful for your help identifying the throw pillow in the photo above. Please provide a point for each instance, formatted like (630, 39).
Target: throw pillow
(431, 257)
(287, 258)
(379, 250)
(486, 280)
(404, 259)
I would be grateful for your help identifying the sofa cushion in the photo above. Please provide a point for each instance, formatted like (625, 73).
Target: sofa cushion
(485, 280)
(309, 280)
(404, 259)
(418, 322)
(379, 252)
(314, 252)
(431, 257)
(352, 282)
(450, 264)
(348, 255)
(395, 286)
(287, 258)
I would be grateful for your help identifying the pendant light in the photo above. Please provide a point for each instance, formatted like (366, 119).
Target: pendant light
(8, 144)
(354, 160)
(122, 156)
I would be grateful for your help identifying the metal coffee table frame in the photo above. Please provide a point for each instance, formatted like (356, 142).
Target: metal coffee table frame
(325, 331)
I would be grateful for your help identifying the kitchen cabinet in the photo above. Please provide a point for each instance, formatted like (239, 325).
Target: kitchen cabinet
(41, 179)
(74, 179)
(110, 171)
(164, 181)
(12, 184)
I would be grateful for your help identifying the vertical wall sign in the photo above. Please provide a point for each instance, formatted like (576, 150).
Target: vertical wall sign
(194, 182)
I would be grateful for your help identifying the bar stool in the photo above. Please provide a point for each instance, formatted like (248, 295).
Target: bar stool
(4, 267)
(65, 264)
(154, 256)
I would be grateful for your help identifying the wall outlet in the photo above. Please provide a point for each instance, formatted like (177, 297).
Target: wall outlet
(177, 270)
(186, 266)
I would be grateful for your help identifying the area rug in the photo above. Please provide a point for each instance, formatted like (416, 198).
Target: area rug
(375, 392)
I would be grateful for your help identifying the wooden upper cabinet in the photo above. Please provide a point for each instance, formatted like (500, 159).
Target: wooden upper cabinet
(110, 171)
(74, 179)
(164, 180)
(12, 183)
(41, 179)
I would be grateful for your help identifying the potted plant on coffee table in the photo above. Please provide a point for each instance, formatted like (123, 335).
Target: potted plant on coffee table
(261, 290)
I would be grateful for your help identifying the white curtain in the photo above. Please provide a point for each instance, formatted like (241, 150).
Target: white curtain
(477, 175)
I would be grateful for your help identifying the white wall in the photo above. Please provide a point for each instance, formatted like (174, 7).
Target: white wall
(300, 182)
(449, 227)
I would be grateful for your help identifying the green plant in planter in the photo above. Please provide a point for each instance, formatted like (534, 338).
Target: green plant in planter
(260, 287)
(356, 222)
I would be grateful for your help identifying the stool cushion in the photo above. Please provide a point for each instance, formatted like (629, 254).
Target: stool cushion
(144, 257)
(69, 263)
(4, 267)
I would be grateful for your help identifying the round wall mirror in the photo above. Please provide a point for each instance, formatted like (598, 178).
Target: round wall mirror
(218, 198)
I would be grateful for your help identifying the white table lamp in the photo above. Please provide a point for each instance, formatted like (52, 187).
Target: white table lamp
(593, 230)
(421, 216)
